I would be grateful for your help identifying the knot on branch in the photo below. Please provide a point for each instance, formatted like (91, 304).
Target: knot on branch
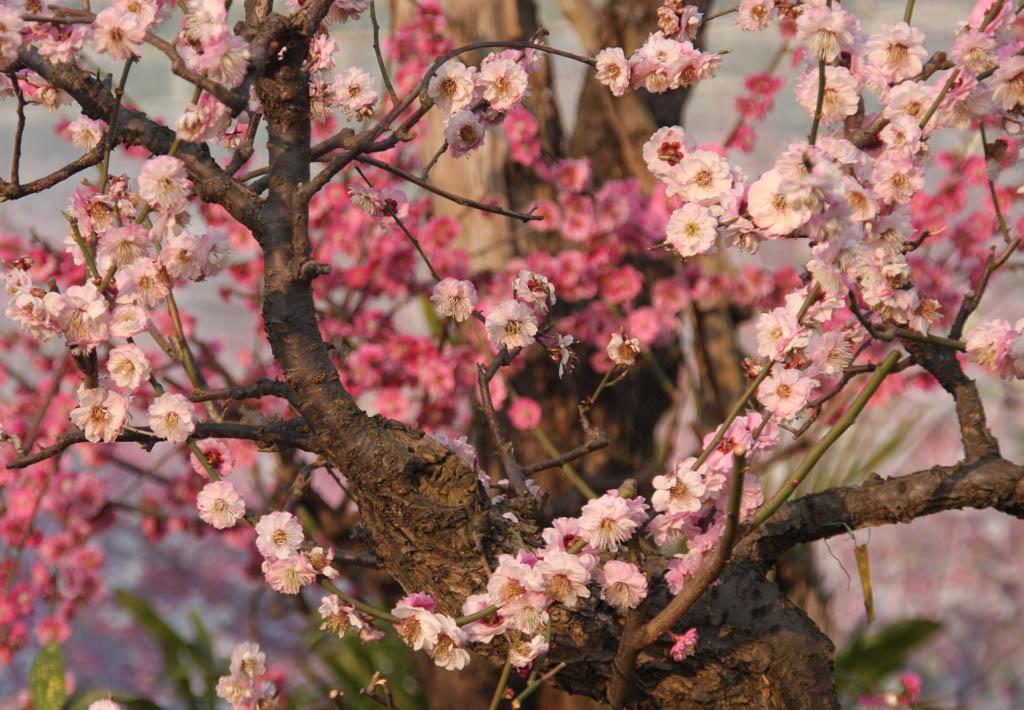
(310, 269)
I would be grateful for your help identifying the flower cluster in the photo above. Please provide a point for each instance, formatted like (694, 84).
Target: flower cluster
(245, 687)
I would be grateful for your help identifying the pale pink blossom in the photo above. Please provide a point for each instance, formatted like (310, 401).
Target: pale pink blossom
(656, 65)
(86, 133)
(1007, 83)
(353, 90)
(217, 455)
(778, 333)
(778, 206)
(278, 535)
(220, 505)
(101, 414)
(142, 281)
(988, 343)
(447, 651)
(683, 645)
(345, 10)
(485, 629)
(623, 350)
(464, 133)
(454, 299)
(828, 30)
(170, 417)
(681, 491)
(832, 352)
(80, 313)
(896, 178)
(691, 230)
(785, 392)
(128, 366)
(204, 20)
(702, 176)
(524, 413)
(511, 580)
(502, 83)
(565, 577)
(534, 290)
(120, 246)
(754, 15)
(117, 33)
(606, 522)
(164, 183)
(666, 149)
(975, 51)
(897, 51)
(339, 617)
(225, 58)
(524, 652)
(11, 25)
(128, 319)
(418, 627)
(288, 575)
(839, 100)
(248, 662)
(511, 324)
(623, 585)
(452, 87)
(613, 70)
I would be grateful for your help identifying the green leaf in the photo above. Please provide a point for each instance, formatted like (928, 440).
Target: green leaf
(46, 679)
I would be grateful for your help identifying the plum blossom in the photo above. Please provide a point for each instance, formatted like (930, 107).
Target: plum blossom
(353, 90)
(454, 299)
(164, 183)
(523, 653)
(142, 281)
(278, 535)
(692, 230)
(128, 319)
(535, 290)
(452, 87)
(681, 491)
(613, 70)
(447, 651)
(511, 324)
(418, 627)
(502, 82)
(464, 133)
(702, 176)
(839, 100)
(288, 575)
(623, 585)
(339, 617)
(785, 392)
(897, 51)
(607, 521)
(225, 58)
(683, 645)
(623, 350)
(776, 205)
(988, 343)
(1008, 83)
(86, 133)
(128, 366)
(101, 414)
(121, 246)
(81, 314)
(482, 630)
(828, 30)
(217, 455)
(170, 417)
(117, 33)
(666, 149)
(779, 332)
(754, 15)
(220, 505)
(565, 577)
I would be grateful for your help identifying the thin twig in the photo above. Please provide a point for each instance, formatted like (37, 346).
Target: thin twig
(812, 139)
(19, 130)
(430, 164)
(513, 469)
(380, 57)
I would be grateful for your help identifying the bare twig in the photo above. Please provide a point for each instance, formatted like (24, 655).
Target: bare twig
(19, 129)
(380, 57)
(513, 469)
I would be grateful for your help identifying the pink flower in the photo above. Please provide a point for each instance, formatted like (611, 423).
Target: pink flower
(656, 65)
(448, 652)
(248, 662)
(101, 414)
(776, 205)
(623, 585)
(143, 282)
(754, 15)
(623, 350)
(778, 333)
(975, 51)
(116, 32)
(607, 521)
(164, 183)
(524, 652)
(897, 51)
(338, 617)
(988, 344)
(503, 83)
(86, 133)
(128, 319)
(1008, 83)
(839, 100)
(681, 491)
(353, 90)
(666, 149)
(225, 58)
(278, 535)
(452, 87)
(511, 580)
(896, 178)
(81, 313)
(691, 229)
(829, 31)
(288, 575)
(785, 392)
(702, 176)
(565, 577)
(220, 505)
(418, 627)
(128, 366)
(511, 324)
(524, 413)
(454, 299)
(485, 629)
(683, 645)
(464, 133)
(170, 417)
(121, 246)
(535, 290)
(613, 70)
(217, 454)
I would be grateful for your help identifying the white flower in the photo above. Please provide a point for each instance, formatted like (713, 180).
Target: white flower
(100, 414)
(613, 70)
(503, 83)
(220, 505)
(454, 299)
(511, 325)
(170, 417)
(163, 183)
(691, 229)
(279, 535)
(452, 87)
(623, 350)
